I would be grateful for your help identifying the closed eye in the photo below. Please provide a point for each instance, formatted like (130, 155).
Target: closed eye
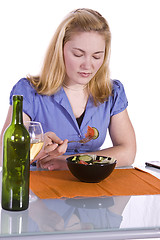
(96, 57)
(77, 55)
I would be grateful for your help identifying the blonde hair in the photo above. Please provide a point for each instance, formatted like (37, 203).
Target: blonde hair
(53, 71)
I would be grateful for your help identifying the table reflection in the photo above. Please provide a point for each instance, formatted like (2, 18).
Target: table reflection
(52, 215)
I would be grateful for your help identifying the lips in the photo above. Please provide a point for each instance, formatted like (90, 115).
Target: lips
(84, 74)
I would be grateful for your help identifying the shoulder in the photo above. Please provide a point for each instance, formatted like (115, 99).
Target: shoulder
(116, 85)
(118, 99)
(30, 104)
(118, 89)
(23, 83)
(23, 87)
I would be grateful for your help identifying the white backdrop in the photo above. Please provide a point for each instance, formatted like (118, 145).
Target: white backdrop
(26, 28)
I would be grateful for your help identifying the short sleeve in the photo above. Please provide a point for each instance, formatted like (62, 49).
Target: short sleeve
(119, 100)
(24, 88)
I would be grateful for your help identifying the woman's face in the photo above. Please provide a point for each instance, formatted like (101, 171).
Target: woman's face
(83, 56)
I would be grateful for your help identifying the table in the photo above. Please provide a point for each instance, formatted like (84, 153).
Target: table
(121, 217)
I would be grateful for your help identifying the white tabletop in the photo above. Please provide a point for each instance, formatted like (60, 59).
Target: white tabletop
(121, 217)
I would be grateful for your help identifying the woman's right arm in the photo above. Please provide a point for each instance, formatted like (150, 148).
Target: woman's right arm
(6, 124)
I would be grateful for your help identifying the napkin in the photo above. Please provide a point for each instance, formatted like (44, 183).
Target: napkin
(62, 184)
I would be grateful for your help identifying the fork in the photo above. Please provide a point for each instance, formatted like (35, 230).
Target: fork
(83, 140)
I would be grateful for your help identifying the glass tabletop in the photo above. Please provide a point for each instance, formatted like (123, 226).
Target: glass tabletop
(109, 216)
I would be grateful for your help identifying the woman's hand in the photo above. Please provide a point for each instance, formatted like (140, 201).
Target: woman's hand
(53, 163)
(53, 147)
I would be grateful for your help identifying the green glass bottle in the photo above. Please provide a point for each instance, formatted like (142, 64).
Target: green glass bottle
(16, 161)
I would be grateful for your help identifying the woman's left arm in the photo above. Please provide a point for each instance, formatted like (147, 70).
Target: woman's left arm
(123, 138)
(123, 150)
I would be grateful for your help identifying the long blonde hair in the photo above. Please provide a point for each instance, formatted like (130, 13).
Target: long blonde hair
(53, 71)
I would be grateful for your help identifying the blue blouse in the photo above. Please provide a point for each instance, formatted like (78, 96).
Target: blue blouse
(56, 115)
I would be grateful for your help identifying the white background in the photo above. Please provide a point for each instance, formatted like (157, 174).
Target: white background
(26, 28)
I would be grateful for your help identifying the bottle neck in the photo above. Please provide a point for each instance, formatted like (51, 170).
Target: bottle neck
(17, 116)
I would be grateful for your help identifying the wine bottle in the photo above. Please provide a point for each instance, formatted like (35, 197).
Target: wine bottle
(16, 161)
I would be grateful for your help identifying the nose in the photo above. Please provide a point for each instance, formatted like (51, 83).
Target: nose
(87, 63)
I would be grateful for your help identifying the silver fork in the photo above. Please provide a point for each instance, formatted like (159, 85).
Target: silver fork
(83, 140)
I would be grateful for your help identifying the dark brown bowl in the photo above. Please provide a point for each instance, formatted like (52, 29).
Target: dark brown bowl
(90, 173)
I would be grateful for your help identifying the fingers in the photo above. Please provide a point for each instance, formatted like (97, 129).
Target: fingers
(56, 150)
(50, 148)
(50, 163)
(51, 137)
(53, 145)
(45, 162)
(48, 157)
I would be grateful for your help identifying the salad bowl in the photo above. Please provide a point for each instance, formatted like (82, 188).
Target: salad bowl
(91, 168)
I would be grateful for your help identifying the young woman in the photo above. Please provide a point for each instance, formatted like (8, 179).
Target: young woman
(74, 91)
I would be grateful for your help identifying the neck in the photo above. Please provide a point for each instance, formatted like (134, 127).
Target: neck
(17, 116)
(75, 89)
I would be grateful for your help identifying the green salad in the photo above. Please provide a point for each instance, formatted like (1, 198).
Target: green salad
(92, 159)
